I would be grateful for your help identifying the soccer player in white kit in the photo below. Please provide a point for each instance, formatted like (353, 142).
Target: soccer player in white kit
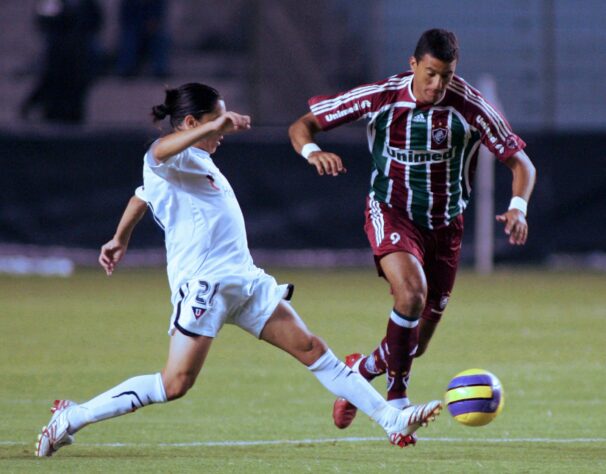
(213, 280)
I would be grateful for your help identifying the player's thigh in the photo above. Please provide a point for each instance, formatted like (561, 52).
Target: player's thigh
(398, 246)
(405, 274)
(388, 231)
(287, 331)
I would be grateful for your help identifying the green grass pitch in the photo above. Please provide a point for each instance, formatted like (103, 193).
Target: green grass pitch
(255, 410)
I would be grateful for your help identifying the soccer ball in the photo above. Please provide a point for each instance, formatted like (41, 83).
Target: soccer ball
(474, 397)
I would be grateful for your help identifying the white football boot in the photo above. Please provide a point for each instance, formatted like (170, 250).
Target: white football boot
(55, 434)
(409, 420)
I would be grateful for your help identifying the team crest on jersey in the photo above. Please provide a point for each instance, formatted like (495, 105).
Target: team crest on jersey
(511, 142)
(439, 135)
(198, 312)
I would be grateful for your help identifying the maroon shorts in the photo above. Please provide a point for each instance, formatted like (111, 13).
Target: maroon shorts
(390, 230)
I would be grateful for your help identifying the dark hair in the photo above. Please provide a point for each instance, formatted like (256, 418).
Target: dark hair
(189, 99)
(440, 44)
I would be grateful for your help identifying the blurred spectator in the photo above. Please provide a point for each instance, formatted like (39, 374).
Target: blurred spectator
(231, 29)
(70, 29)
(143, 37)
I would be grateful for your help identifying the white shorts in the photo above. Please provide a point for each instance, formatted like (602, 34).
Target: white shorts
(203, 306)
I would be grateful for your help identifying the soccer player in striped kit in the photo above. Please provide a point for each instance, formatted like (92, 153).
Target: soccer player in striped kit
(424, 131)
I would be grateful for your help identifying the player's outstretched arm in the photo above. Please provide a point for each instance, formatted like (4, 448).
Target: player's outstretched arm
(524, 176)
(192, 131)
(113, 251)
(302, 134)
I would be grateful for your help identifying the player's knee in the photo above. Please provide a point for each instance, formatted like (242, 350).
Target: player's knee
(311, 349)
(319, 345)
(410, 301)
(313, 345)
(177, 385)
(417, 301)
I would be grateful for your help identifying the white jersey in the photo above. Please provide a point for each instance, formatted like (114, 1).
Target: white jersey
(197, 209)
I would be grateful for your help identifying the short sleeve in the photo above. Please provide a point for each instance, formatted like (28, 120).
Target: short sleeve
(349, 106)
(140, 193)
(495, 132)
(167, 168)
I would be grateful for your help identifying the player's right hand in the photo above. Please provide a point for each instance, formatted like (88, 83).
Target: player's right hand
(327, 163)
(111, 253)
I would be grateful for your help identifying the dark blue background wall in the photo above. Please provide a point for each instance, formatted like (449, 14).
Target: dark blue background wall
(70, 191)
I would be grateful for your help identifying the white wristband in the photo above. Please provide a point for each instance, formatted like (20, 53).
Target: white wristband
(518, 203)
(308, 149)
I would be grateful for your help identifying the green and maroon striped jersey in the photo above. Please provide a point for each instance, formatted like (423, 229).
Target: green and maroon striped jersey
(423, 155)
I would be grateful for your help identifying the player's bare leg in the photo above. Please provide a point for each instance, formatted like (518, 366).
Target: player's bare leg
(186, 356)
(287, 331)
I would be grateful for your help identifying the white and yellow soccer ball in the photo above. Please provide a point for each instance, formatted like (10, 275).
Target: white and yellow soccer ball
(475, 397)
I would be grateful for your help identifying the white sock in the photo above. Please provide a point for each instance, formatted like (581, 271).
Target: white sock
(399, 403)
(127, 397)
(343, 382)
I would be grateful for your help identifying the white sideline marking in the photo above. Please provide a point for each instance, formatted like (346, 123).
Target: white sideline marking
(324, 441)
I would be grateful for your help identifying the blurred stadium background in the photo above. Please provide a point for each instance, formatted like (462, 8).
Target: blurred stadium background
(64, 183)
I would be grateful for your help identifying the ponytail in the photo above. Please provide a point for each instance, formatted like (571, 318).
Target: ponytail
(159, 112)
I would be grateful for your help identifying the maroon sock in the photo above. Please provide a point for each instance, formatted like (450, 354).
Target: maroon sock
(401, 340)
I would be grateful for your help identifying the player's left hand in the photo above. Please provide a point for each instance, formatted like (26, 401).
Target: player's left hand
(516, 226)
(230, 122)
